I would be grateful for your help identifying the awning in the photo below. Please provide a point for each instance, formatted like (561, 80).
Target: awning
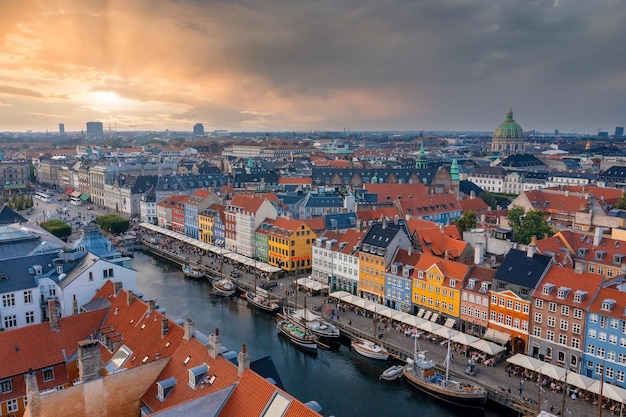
(487, 347)
(75, 194)
(449, 322)
(497, 336)
(84, 197)
(69, 191)
(526, 362)
(311, 284)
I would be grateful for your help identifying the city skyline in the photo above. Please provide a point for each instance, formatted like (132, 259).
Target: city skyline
(271, 65)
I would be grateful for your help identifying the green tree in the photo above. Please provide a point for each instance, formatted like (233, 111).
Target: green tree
(57, 227)
(466, 221)
(112, 223)
(489, 199)
(621, 204)
(525, 225)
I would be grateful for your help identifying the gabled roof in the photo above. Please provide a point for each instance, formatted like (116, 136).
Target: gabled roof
(427, 205)
(474, 204)
(295, 180)
(8, 216)
(519, 269)
(390, 192)
(377, 213)
(615, 291)
(381, 235)
(572, 281)
(479, 275)
(451, 269)
(316, 224)
(37, 346)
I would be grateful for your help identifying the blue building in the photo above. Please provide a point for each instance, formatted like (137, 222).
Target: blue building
(399, 280)
(605, 339)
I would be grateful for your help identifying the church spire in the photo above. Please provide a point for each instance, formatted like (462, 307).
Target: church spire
(421, 157)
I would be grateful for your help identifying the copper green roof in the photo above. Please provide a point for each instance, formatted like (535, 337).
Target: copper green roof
(508, 129)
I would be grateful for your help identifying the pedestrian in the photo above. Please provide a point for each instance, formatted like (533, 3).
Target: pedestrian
(349, 322)
(521, 387)
(509, 371)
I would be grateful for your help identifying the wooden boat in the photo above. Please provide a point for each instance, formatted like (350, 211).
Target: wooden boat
(298, 335)
(191, 272)
(327, 334)
(261, 302)
(369, 349)
(422, 374)
(223, 287)
(392, 373)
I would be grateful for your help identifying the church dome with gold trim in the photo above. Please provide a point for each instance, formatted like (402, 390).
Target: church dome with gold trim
(508, 136)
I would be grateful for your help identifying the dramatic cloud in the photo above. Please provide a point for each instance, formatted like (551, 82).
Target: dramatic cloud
(285, 65)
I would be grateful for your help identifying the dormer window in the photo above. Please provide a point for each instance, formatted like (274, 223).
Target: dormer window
(197, 374)
(607, 305)
(453, 283)
(420, 274)
(547, 289)
(582, 251)
(599, 255)
(471, 283)
(562, 292)
(618, 258)
(484, 287)
(579, 296)
(165, 387)
(394, 268)
(406, 271)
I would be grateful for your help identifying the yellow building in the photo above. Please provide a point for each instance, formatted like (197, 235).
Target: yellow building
(437, 288)
(377, 250)
(210, 225)
(289, 245)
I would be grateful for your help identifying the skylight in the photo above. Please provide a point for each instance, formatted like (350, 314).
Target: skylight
(277, 406)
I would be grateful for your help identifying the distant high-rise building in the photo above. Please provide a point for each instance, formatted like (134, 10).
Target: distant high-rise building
(198, 130)
(619, 132)
(61, 129)
(95, 129)
(556, 132)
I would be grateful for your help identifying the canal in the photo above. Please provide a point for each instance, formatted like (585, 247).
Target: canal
(343, 384)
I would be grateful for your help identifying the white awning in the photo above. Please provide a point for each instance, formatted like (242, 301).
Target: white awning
(449, 322)
(339, 294)
(552, 371)
(526, 362)
(311, 284)
(497, 336)
(487, 347)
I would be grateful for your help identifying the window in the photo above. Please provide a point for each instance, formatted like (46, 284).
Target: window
(592, 333)
(562, 339)
(612, 339)
(28, 297)
(8, 300)
(10, 321)
(30, 317)
(48, 374)
(551, 321)
(565, 310)
(591, 349)
(610, 355)
(602, 336)
(6, 385)
(600, 352)
(576, 328)
(501, 302)
(12, 405)
(552, 307)
(537, 331)
(494, 299)
(614, 323)
(550, 335)
(538, 317)
(619, 375)
(609, 372)
(563, 325)
(576, 343)
(526, 309)
(509, 304)
(593, 318)
(578, 313)
(518, 306)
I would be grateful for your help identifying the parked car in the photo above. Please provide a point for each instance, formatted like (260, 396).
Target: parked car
(90, 208)
(267, 285)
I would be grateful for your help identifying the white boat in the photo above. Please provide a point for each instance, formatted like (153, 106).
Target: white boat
(369, 349)
(191, 272)
(223, 287)
(327, 334)
(392, 373)
(297, 335)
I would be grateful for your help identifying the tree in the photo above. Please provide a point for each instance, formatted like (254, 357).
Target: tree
(621, 204)
(466, 221)
(489, 199)
(525, 225)
(112, 223)
(57, 227)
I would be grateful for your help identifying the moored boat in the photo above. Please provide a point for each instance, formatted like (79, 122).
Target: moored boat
(298, 335)
(327, 334)
(191, 272)
(422, 373)
(223, 287)
(261, 302)
(392, 373)
(369, 349)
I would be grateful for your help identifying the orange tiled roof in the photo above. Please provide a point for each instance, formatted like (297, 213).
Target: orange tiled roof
(613, 293)
(476, 205)
(296, 180)
(569, 278)
(451, 269)
(316, 224)
(426, 205)
(390, 192)
(375, 214)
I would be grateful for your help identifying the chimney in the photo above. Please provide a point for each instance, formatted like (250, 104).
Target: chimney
(164, 326)
(52, 314)
(447, 256)
(478, 253)
(215, 344)
(441, 228)
(151, 306)
(395, 219)
(32, 392)
(532, 247)
(74, 306)
(117, 287)
(130, 296)
(410, 249)
(384, 222)
(243, 361)
(597, 236)
(190, 328)
(359, 225)
(89, 361)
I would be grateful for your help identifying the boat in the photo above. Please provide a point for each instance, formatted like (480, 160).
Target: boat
(261, 302)
(223, 287)
(423, 374)
(298, 335)
(369, 349)
(327, 334)
(191, 272)
(392, 373)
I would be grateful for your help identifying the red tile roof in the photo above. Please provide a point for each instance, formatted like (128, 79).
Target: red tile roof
(375, 214)
(450, 269)
(296, 180)
(569, 278)
(390, 192)
(477, 205)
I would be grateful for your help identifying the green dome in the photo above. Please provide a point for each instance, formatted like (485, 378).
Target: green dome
(508, 129)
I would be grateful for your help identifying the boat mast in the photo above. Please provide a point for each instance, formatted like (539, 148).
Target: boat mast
(448, 359)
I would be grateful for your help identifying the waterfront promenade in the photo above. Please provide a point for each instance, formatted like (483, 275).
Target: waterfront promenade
(503, 389)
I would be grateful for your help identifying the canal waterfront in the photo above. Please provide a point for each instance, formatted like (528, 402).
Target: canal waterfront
(343, 384)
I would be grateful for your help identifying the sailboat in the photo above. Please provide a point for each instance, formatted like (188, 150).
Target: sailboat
(259, 301)
(296, 331)
(191, 272)
(327, 334)
(370, 349)
(423, 374)
(223, 287)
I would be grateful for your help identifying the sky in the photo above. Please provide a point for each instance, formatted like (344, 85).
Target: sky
(285, 65)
